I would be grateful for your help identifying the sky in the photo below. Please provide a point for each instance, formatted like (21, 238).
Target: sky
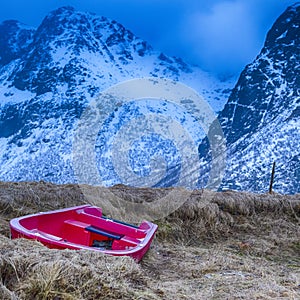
(220, 36)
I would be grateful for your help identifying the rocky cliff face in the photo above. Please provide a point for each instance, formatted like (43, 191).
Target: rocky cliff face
(14, 40)
(261, 120)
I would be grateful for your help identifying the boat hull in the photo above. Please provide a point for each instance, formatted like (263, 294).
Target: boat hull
(85, 228)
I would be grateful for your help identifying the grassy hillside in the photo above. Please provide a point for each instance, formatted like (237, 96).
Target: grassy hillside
(227, 245)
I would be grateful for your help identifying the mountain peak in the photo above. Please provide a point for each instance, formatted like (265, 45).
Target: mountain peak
(65, 27)
(266, 83)
(73, 33)
(63, 10)
(59, 21)
(286, 28)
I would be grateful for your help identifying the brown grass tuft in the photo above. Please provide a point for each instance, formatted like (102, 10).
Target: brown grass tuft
(31, 271)
(211, 216)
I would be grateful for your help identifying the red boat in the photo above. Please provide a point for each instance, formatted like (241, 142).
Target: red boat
(84, 227)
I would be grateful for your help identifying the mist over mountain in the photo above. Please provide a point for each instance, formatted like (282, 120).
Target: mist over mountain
(48, 75)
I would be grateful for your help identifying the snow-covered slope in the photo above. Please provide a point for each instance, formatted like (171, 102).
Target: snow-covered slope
(48, 76)
(261, 121)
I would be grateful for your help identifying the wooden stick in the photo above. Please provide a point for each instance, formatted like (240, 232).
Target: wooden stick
(272, 178)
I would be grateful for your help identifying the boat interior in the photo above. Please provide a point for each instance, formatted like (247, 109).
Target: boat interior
(88, 227)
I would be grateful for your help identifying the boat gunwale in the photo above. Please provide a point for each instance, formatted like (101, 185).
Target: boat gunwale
(56, 241)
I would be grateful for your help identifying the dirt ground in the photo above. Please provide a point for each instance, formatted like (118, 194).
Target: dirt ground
(227, 245)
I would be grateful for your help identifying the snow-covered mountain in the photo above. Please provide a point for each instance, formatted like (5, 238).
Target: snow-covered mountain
(261, 121)
(49, 75)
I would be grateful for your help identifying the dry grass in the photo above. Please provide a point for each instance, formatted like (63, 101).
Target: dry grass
(216, 246)
(30, 271)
